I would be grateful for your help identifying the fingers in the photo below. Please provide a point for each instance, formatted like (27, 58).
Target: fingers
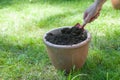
(89, 18)
(95, 17)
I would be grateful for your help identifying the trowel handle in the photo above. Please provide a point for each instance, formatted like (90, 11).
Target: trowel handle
(84, 24)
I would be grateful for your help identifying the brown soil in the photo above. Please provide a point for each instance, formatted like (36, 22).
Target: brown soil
(68, 36)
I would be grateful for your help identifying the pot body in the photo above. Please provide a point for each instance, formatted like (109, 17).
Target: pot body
(64, 57)
(116, 4)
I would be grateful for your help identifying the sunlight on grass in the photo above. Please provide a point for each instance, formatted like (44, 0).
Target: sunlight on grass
(23, 55)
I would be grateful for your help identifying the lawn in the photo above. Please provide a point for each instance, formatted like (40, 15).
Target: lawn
(23, 55)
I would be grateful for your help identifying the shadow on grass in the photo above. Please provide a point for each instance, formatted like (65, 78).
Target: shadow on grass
(100, 62)
(103, 59)
(7, 3)
(31, 52)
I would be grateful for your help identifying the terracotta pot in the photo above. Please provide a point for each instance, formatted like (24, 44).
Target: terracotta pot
(64, 57)
(116, 4)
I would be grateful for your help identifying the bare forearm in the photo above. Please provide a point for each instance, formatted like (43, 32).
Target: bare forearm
(100, 2)
(93, 11)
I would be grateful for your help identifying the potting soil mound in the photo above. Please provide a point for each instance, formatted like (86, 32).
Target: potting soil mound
(68, 36)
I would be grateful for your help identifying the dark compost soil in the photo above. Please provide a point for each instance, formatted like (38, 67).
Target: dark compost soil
(68, 36)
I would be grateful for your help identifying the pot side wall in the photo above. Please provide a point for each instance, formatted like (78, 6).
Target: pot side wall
(65, 59)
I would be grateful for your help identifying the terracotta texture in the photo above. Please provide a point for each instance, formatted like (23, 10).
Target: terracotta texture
(116, 4)
(64, 57)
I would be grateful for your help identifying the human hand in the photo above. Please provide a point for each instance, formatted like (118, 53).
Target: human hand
(92, 13)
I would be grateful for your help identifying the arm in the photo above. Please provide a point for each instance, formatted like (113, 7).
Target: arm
(100, 2)
(93, 11)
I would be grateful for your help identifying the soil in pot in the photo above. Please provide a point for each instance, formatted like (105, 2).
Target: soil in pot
(68, 36)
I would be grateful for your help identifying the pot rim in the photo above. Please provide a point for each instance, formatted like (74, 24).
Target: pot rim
(66, 46)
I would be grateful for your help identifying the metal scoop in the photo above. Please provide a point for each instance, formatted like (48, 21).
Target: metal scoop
(80, 26)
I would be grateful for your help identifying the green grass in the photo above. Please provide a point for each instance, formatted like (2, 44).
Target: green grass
(23, 54)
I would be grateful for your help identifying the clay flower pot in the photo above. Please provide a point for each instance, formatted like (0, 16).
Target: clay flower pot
(116, 4)
(64, 57)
